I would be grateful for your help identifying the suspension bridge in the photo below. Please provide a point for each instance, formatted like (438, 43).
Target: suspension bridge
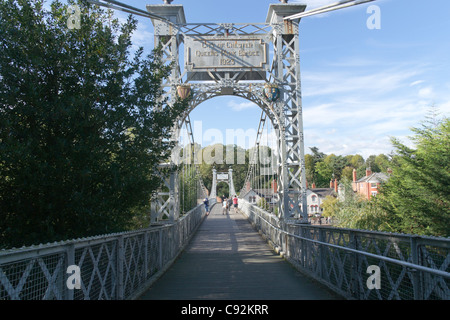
(249, 252)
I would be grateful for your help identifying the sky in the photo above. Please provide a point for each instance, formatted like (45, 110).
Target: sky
(360, 85)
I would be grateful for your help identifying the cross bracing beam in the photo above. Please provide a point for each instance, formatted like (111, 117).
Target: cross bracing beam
(116, 5)
(327, 8)
(280, 32)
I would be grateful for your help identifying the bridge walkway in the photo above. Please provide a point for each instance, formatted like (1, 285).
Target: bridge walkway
(228, 260)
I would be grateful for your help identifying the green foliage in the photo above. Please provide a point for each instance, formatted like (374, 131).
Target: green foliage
(353, 211)
(187, 188)
(82, 125)
(321, 168)
(349, 209)
(416, 198)
(418, 193)
(330, 206)
(221, 157)
(263, 204)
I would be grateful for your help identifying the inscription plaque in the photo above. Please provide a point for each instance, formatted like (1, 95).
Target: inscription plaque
(222, 176)
(225, 54)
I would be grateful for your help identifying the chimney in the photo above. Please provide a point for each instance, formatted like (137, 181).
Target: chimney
(354, 175)
(335, 185)
(368, 172)
(274, 186)
(331, 183)
(314, 185)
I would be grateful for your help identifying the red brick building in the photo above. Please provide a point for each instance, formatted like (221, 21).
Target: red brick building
(369, 185)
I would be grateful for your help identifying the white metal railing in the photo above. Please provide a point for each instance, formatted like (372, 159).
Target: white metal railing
(406, 267)
(114, 266)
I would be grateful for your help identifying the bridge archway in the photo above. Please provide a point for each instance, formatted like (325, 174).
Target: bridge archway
(219, 177)
(233, 59)
(253, 94)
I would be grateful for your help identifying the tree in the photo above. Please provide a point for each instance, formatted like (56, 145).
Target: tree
(263, 204)
(417, 196)
(330, 206)
(383, 163)
(221, 158)
(309, 168)
(347, 173)
(357, 161)
(324, 173)
(349, 210)
(82, 124)
(330, 167)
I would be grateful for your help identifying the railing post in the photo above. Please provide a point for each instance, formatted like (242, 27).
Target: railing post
(146, 237)
(304, 247)
(355, 289)
(417, 284)
(70, 261)
(322, 257)
(160, 249)
(120, 268)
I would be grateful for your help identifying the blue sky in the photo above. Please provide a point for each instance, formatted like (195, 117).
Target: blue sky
(360, 86)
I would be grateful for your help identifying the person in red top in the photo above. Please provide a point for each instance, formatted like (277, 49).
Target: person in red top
(235, 203)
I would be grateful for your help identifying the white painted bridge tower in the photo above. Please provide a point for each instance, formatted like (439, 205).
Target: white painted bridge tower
(235, 59)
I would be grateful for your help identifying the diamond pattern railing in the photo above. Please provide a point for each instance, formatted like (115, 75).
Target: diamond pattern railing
(411, 267)
(116, 266)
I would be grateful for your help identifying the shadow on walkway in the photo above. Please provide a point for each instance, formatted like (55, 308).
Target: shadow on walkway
(228, 260)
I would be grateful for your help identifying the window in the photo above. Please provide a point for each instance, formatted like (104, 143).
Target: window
(313, 198)
(374, 193)
(373, 185)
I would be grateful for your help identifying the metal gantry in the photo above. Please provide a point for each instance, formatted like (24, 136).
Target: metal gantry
(226, 177)
(283, 71)
(233, 75)
(122, 265)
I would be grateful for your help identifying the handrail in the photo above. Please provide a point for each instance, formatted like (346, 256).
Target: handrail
(313, 260)
(114, 266)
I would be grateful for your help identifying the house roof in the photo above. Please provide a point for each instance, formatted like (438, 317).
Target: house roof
(260, 192)
(320, 192)
(376, 177)
(323, 192)
(264, 192)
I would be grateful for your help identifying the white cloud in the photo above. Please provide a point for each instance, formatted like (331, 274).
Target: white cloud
(415, 83)
(348, 111)
(426, 92)
(320, 83)
(241, 106)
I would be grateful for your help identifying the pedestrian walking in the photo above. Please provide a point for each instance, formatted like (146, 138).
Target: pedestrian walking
(230, 203)
(224, 206)
(206, 203)
(235, 203)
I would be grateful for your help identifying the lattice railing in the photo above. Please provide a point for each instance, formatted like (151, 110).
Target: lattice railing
(236, 29)
(410, 267)
(116, 266)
